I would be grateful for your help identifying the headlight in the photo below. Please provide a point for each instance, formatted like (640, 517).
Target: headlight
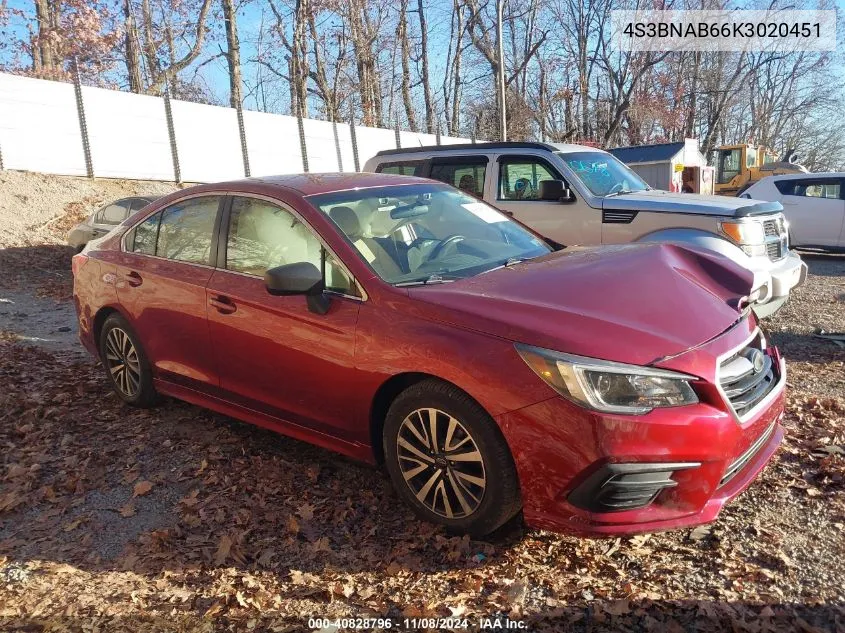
(606, 386)
(749, 236)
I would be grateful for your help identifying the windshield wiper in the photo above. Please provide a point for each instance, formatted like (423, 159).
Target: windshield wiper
(617, 193)
(424, 281)
(510, 261)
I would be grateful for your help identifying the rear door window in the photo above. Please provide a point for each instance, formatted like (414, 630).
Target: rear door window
(829, 188)
(403, 168)
(186, 231)
(466, 174)
(112, 214)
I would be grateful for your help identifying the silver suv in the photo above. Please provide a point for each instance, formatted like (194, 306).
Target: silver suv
(579, 195)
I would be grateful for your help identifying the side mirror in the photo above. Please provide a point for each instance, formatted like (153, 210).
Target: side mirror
(300, 278)
(557, 191)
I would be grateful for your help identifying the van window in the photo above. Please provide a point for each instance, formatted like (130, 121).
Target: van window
(466, 176)
(405, 168)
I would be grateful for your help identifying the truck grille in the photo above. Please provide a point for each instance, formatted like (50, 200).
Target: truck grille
(747, 377)
(775, 236)
(774, 250)
(771, 228)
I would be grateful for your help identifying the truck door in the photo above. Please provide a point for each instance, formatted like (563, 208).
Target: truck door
(517, 190)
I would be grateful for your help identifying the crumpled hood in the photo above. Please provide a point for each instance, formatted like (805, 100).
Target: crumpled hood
(657, 200)
(634, 303)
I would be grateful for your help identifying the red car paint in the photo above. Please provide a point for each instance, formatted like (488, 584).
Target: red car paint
(316, 377)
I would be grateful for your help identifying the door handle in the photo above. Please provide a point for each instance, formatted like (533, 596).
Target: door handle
(222, 304)
(134, 279)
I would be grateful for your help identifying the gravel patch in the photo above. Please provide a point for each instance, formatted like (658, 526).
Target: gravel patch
(32, 205)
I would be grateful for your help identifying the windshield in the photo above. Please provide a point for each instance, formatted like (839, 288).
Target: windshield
(603, 174)
(427, 232)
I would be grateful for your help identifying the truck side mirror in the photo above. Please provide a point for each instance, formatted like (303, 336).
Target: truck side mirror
(300, 278)
(557, 191)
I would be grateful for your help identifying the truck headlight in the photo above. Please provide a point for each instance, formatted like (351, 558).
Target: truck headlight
(607, 386)
(749, 236)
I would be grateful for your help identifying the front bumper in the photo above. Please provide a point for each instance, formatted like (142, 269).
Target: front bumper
(575, 465)
(785, 274)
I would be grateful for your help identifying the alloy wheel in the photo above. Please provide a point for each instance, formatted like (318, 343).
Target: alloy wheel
(441, 463)
(123, 363)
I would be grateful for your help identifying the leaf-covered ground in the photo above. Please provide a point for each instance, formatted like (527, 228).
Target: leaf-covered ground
(179, 519)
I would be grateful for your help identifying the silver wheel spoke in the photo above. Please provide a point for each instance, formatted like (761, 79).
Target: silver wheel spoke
(414, 450)
(432, 427)
(423, 493)
(447, 508)
(423, 439)
(478, 481)
(456, 488)
(472, 456)
(413, 472)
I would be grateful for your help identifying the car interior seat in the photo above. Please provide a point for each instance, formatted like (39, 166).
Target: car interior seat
(370, 248)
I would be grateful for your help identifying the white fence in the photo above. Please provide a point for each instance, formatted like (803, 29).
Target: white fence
(128, 136)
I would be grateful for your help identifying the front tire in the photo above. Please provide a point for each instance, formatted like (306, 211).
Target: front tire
(448, 460)
(126, 363)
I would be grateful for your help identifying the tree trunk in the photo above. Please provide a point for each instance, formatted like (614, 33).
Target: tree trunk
(405, 53)
(429, 104)
(233, 53)
(133, 55)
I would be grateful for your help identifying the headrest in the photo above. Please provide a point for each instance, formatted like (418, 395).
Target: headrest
(347, 220)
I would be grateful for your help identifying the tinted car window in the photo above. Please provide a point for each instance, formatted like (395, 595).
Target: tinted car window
(143, 237)
(262, 235)
(827, 188)
(186, 230)
(406, 168)
(466, 177)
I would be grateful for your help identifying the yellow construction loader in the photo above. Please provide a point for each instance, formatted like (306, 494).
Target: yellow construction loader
(738, 166)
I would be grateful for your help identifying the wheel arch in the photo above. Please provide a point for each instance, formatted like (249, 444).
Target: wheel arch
(100, 318)
(387, 392)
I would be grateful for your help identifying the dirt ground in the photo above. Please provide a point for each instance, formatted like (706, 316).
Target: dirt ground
(39, 208)
(178, 519)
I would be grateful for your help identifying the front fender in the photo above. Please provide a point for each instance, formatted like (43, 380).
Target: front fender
(712, 242)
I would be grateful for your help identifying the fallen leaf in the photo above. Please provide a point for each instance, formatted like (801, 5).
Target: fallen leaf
(223, 549)
(142, 488)
(127, 510)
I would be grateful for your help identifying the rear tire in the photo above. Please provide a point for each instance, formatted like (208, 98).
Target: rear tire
(465, 479)
(126, 363)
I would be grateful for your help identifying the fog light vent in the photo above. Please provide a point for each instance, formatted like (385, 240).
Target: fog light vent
(617, 487)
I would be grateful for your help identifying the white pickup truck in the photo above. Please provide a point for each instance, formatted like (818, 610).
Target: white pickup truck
(579, 195)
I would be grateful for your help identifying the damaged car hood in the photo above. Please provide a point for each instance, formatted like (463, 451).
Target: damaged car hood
(633, 303)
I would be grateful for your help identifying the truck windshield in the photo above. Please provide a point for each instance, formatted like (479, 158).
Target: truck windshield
(603, 174)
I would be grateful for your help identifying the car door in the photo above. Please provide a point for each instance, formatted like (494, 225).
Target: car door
(162, 273)
(273, 354)
(815, 210)
(518, 191)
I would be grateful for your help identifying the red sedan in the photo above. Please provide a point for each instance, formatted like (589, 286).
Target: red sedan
(400, 321)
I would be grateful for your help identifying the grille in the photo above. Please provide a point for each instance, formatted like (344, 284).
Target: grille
(740, 462)
(771, 228)
(744, 383)
(774, 250)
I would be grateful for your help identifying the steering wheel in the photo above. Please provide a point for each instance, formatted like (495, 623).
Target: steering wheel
(444, 243)
(617, 187)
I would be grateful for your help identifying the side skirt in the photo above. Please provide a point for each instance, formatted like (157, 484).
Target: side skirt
(354, 450)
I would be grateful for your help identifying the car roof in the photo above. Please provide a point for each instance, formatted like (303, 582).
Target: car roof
(309, 184)
(483, 147)
(810, 176)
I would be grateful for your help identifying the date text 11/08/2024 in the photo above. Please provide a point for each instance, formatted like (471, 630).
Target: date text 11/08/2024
(499, 623)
